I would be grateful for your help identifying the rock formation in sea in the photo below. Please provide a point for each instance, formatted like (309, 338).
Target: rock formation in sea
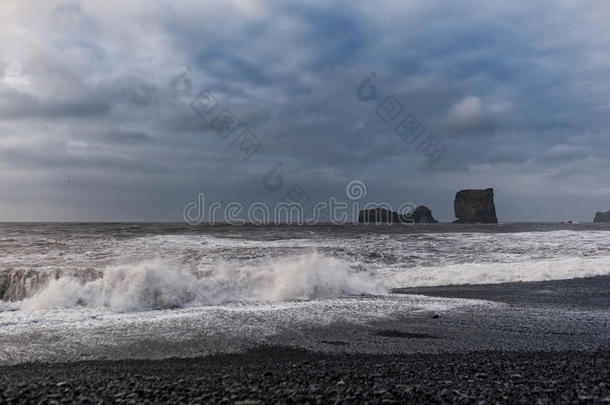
(475, 206)
(421, 214)
(602, 217)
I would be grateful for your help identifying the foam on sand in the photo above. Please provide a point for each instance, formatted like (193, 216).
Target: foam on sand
(494, 273)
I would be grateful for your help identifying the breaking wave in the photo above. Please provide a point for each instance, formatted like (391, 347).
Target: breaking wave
(155, 284)
(192, 270)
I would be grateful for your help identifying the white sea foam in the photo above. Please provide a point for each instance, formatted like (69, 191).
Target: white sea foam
(8, 306)
(89, 295)
(492, 273)
(193, 270)
(94, 333)
(158, 284)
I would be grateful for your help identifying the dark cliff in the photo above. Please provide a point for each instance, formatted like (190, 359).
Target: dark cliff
(475, 206)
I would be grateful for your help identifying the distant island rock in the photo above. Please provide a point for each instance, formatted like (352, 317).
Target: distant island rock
(420, 215)
(475, 206)
(602, 217)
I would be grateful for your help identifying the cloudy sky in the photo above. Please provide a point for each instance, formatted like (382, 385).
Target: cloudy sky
(97, 117)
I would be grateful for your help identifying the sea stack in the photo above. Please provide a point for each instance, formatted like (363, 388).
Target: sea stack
(475, 206)
(602, 217)
(421, 215)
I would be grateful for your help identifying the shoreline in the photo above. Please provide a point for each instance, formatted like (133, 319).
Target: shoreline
(583, 292)
(546, 340)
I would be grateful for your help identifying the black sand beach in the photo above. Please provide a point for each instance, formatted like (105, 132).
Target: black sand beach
(548, 342)
(275, 375)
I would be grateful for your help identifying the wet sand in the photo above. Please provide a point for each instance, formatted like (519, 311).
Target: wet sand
(590, 292)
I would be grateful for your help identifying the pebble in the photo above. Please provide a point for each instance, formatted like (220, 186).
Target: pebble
(553, 377)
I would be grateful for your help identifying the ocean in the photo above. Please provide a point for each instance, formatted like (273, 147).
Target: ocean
(115, 290)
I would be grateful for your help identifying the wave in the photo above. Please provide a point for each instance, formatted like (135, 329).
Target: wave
(156, 284)
(207, 270)
(21, 283)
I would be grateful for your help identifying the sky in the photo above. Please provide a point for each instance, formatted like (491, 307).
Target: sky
(127, 111)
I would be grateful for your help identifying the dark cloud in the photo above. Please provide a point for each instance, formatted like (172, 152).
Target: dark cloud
(516, 94)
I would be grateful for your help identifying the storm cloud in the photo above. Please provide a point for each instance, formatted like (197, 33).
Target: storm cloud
(103, 105)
